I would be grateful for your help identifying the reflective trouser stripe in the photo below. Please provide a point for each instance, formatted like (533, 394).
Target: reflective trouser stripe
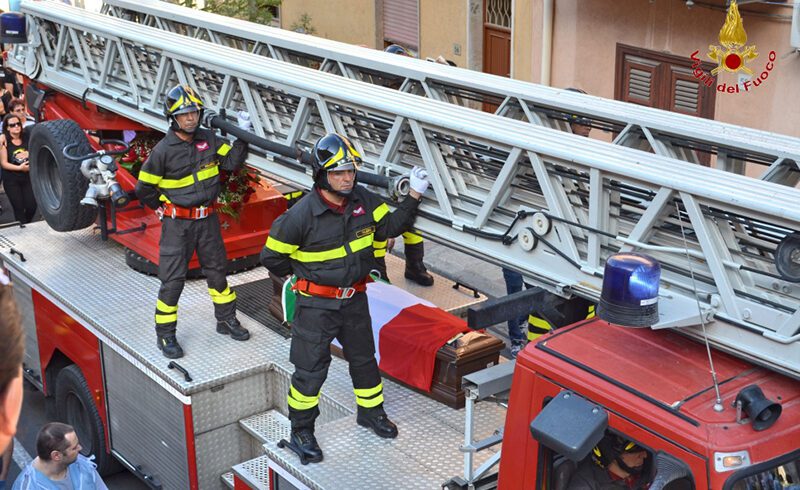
(591, 312)
(369, 397)
(299, 401)
(410, 238)
(166, 313)
(537, 327)
(222, 297)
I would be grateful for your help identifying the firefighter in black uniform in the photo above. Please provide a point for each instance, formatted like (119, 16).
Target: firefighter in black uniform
(414, 247)
(326, 239)
(180, 180)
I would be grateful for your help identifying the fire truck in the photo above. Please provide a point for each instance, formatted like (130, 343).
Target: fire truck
(710, 391)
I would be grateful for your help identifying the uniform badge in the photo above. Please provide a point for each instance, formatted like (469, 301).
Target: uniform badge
(365, 232)
(201, 145)
(359, 211)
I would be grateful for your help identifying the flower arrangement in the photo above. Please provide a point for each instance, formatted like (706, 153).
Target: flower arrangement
(138, 152)
(237, 189)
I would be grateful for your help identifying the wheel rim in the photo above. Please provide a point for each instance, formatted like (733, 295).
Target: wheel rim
(50, 183)
(78, 417)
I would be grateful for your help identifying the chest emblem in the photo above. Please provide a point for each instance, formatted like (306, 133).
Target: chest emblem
(201, 145)
(359, 211)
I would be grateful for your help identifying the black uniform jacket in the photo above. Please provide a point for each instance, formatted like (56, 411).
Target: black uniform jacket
(315, 243)
(186, 173)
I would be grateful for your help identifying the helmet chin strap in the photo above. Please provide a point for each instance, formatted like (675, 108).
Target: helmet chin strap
(626, 468)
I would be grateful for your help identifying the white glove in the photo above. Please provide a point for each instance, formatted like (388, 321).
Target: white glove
(243, 120)
(419, 180)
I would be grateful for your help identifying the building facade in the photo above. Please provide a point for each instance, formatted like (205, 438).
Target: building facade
(650, 52)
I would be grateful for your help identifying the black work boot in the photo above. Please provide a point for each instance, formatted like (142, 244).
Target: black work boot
(379, 423)
(305, 445)
(415, 269)
(169, 346)
(233, 328)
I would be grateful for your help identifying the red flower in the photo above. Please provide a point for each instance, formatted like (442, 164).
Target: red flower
(232, 186)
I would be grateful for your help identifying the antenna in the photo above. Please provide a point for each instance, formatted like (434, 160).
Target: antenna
(718, 406)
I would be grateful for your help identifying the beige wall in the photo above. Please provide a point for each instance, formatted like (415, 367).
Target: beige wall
(443, 23)
(353, 21)
(586, 34)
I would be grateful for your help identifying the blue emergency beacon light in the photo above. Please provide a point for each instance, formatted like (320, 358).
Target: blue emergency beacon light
(12, 28)
(630, 290)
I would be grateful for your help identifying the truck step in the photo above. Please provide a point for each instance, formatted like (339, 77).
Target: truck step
(254, 473)
(227, 479)
(268, 426)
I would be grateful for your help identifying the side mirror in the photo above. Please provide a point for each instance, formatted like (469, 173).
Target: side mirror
(570, 425)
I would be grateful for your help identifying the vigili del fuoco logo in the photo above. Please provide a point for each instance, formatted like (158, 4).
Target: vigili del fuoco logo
(733, 55)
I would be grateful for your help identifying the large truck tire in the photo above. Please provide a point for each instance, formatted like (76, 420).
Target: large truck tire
(141, 264)
(75, 406)
(58, 183)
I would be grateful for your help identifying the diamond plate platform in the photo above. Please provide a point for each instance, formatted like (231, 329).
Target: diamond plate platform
(254, 472)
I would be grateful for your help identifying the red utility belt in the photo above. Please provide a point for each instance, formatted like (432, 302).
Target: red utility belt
(173, 211)
(334, 292)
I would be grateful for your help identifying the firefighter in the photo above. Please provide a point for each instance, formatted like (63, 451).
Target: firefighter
(326, 240)
(180, 180)
(615, 463)
(555, 312)
(413, 245)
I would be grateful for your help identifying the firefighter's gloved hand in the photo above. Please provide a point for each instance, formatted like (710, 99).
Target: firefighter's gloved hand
(419, 180)
(243, 120)
(208, 115)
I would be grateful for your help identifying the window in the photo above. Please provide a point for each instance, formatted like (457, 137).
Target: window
(784, 474)
(662, 81)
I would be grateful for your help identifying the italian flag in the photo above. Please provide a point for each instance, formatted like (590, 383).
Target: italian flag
(408, 331)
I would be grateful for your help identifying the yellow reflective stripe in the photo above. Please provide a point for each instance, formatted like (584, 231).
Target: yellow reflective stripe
(176, 105)
(189, 179)
(362, 243)
(335, 158)
(368, 392)
(294, 393)
(167, 318)
(163, 198)
(192, 97)
(369, 402)
(293, 195)
(224, 149)
(280, 247)
(410, 238)
(336, 253)
(149, 178)
(380, 248)
(537, 327)
(223, 297)
(299, 401)
(380, 212)
(591, 312)
(161, 306)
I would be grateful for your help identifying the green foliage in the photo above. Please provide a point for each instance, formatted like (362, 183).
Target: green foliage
(304, 25)
(260, 11)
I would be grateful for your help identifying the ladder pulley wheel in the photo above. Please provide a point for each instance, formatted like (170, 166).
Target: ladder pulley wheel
(787, 257)
(542, 224)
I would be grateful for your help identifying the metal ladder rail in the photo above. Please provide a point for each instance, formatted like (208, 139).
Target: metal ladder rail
(662, 132)
(483, 170)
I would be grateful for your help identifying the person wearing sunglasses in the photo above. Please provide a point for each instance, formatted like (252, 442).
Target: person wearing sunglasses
(16, 169)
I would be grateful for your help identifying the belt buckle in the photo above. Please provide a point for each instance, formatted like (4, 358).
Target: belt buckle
(345, 293)
(202, 212)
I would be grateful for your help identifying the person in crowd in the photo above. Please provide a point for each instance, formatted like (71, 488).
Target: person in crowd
(516, 336)
(59, 463)
(326, 240)
(180, 180)
(615, 463)
(12, 350)
(16, 169)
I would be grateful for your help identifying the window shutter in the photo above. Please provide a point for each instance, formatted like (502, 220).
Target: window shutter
(685, 92)
(401, 22)
(640, 80)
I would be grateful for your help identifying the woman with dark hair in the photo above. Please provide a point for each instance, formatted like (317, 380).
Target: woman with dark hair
(11, 353)
(16, 169)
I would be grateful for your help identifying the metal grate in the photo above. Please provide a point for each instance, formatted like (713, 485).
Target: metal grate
(498, 12)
